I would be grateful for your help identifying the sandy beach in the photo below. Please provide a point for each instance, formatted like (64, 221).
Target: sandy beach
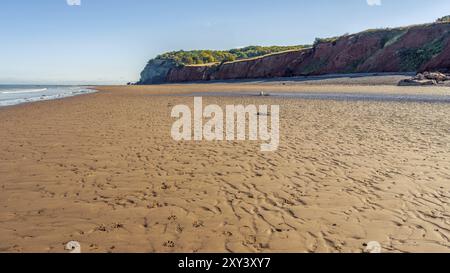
(103, 170)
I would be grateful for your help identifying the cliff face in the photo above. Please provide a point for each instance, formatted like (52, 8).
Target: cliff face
(276, 65)
(416, 48)
(156, 71)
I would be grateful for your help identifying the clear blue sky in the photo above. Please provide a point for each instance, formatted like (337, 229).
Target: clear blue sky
(110, 41)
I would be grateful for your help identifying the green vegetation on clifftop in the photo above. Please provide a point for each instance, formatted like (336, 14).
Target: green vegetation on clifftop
(218, 56)
(445, 19)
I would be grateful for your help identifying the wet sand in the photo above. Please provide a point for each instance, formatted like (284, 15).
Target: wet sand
(103, 170)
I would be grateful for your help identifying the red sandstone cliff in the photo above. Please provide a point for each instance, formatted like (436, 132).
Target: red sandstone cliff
(409, 49)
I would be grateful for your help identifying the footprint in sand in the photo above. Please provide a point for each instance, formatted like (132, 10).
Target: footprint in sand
(169, 244)
(198, 224)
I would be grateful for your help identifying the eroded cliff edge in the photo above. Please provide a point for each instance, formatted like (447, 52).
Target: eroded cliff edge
(406, 49)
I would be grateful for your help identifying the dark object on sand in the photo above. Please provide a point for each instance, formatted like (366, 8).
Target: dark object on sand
(263, 114)
(412, 82)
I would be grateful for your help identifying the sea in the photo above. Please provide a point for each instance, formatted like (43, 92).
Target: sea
(18, 94)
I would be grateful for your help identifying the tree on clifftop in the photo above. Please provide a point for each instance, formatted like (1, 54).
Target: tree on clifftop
(445, 19)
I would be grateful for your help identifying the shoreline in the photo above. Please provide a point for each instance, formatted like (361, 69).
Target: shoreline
(43, 98)
(361, 83)
(381, 78)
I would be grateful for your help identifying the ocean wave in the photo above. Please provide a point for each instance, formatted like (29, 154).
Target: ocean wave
(61, 93)
(24, 91)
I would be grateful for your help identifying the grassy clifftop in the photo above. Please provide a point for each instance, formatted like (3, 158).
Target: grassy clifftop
(218, 56)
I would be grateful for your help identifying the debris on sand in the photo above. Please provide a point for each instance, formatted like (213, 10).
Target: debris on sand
(413, 82)
(425, 78)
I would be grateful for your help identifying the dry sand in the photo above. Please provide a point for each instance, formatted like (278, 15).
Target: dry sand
(103, 170)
